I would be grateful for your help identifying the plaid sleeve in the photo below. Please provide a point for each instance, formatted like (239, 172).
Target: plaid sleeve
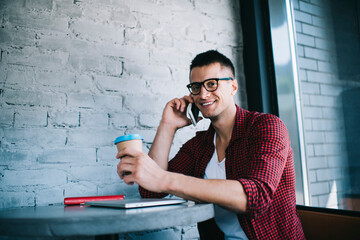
(267, 153)
(181, 163)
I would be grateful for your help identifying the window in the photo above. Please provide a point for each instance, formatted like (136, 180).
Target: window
(317, 68)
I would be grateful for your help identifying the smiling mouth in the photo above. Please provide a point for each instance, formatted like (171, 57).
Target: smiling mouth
(207, 103)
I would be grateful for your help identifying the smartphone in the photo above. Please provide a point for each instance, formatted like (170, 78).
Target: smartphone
(192, 112)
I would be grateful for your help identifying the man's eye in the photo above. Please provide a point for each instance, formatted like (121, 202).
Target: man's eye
(211, 84)
(195, 87)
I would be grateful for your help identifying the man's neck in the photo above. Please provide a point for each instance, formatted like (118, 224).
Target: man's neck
(224, 124)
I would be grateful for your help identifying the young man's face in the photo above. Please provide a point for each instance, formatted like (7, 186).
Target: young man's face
(213, 104)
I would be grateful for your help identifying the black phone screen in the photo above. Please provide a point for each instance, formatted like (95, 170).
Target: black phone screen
(195, 111)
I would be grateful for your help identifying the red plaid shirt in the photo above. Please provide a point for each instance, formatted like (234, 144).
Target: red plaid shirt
(260, 157)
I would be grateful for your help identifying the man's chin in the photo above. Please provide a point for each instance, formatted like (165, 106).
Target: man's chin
(208, 116)
(205, 115)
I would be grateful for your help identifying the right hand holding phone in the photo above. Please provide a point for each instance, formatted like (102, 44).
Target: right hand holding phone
(174, 113)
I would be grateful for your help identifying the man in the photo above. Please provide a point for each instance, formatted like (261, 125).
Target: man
(243, 163)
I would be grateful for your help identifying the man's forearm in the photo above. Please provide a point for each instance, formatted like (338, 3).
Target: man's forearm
(226, 193)
(160, 148)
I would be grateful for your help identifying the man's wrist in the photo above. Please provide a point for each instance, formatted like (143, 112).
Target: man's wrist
(169, 182)
(168, 127)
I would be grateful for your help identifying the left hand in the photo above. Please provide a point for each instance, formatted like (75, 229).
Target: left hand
(142, 170)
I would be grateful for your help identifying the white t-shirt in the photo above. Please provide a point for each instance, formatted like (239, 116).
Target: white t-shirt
(226, 220)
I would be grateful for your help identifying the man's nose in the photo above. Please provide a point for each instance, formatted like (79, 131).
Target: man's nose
(203, 92)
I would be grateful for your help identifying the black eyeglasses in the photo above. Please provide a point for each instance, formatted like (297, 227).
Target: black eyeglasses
(210, 85)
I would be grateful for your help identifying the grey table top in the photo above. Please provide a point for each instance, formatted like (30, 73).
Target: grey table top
(59, 221)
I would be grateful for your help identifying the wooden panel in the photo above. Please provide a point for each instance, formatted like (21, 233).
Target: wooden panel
(320, 225)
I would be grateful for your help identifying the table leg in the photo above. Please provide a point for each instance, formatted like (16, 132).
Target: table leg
(107, 237)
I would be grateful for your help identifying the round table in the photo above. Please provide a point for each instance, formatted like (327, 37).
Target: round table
(106, 223)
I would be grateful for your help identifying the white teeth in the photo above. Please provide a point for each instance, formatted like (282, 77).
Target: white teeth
(205, 104)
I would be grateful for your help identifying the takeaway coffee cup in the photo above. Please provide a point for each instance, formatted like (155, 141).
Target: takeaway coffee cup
(132, 140)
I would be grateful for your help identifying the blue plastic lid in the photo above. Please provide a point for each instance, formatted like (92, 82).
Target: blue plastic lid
(128, 137)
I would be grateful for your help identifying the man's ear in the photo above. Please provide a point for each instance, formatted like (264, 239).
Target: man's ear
(234, 85)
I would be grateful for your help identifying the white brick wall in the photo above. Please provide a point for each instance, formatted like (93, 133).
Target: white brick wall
(74, 75)
(321, 90)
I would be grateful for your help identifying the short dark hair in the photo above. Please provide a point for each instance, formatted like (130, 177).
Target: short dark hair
(210, 57)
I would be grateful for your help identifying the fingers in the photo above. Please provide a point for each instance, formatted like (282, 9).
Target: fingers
(126, 166)
(124, 169)
(174, 114)
(188, 98)
(180, 104)
(183, 105)
(175, 103)
(143, 171)
(129, 167)
(128, 151)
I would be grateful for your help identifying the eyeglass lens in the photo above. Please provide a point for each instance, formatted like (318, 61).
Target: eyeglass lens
(210, 85)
